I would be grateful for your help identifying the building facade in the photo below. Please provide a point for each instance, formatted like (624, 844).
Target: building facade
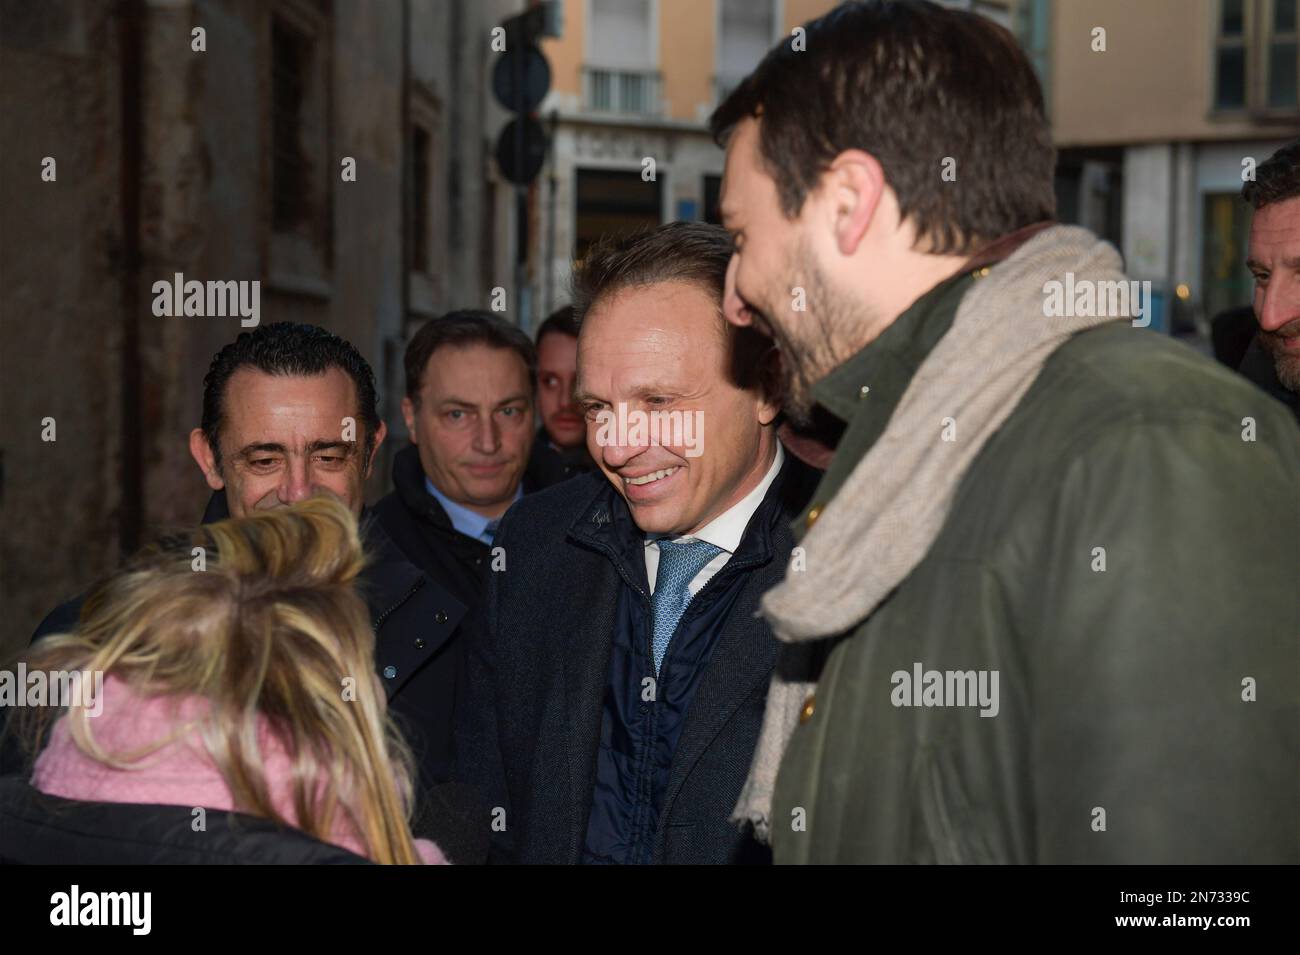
(1155, 120)
(1158, 127)
(634, 82)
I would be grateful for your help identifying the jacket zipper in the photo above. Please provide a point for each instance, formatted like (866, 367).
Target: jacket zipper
(379, 622)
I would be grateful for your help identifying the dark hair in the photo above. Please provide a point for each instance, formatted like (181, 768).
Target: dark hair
(911, 83)
(560, 321)
(675, 252)
(459, 329)
(1277, 178)
(287, 349)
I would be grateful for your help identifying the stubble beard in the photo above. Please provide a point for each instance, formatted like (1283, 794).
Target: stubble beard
(1287, 365)
(812, 343)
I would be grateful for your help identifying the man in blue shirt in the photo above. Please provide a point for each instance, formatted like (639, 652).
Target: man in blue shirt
(469, 411)
(466, 520)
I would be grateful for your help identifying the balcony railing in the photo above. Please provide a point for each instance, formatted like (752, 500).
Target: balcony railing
(623, 92)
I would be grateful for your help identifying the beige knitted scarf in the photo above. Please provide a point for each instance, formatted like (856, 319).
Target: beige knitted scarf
(883, 520)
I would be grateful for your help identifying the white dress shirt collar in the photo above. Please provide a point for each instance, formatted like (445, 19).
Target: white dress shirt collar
(724, 531)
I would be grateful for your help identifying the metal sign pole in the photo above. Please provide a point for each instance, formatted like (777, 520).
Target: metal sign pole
(521, 191)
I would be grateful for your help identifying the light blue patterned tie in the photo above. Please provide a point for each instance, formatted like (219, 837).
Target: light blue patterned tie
(679, 562)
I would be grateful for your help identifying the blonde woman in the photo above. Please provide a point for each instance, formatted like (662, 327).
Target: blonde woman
(237, 682)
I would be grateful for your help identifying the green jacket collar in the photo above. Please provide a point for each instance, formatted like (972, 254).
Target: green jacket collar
(882, 370)
(864, 391)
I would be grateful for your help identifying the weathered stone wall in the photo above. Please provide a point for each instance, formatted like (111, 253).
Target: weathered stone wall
(59, 304)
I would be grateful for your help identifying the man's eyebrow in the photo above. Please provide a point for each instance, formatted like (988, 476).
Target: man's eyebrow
(473, 405)
(1289, 263)
(261, 447)
(330, 445)
(656, 389)
(270, 447)
(648, 390)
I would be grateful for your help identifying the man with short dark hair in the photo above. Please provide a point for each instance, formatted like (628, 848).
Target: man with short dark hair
(1050, 550)
(1273, 359)
(470, 379)
(616, 689)
(561, 448)
(289, 412)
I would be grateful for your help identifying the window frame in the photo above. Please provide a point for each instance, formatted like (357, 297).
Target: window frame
(301, 257)
(1256, 42)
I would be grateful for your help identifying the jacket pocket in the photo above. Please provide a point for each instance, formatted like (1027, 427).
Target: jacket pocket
(682, 842)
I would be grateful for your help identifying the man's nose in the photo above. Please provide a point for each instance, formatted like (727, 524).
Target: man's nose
(296, 485)
(487, 436)
(733, 306)
(1279, 302)
(616, 455)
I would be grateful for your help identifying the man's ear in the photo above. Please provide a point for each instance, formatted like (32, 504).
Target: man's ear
(855, 182)
(380, 433)
(771, 386)
(201, 451)
(408, 415)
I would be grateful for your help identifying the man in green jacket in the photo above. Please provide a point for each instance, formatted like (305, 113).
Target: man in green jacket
(1044, 607)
